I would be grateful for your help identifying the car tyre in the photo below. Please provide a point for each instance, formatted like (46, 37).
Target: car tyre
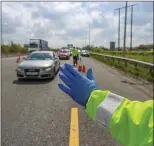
(59, 67)
(53, 75)
(19, 79)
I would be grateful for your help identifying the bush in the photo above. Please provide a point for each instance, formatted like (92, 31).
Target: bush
(14, 48)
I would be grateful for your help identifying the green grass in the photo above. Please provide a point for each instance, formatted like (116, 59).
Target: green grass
(140, 72)
(145, 58)
(148, 58)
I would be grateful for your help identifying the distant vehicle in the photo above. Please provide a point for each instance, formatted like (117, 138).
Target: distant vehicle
(70, 50)
(85, 53)
(79, 51)
(64, 54)
(37, 45)
(38, 65)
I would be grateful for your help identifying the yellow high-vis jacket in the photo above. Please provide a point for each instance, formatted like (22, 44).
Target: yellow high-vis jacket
(75, 52)
(128, 122)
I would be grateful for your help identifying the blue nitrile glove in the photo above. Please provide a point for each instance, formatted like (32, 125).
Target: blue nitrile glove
(79, 86)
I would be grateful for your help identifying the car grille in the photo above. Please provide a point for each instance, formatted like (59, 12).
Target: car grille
(32, 70)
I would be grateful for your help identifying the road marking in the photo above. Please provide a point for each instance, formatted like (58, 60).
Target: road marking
(74, 128)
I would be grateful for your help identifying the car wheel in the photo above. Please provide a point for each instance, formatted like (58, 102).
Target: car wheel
(53, 74)
(19, 79)
(58, 67)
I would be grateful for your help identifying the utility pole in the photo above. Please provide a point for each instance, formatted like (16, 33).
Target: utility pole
(131, 28)
(119, 32)
(89, 24)
(85, 39)
(119, 28)
(131, 35)
(89, 35)
(124, 26)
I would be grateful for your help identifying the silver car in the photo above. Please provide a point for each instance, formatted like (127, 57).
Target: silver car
(85, 53)
(39, 64)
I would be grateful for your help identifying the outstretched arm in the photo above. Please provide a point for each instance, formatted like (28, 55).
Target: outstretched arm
(129, 122)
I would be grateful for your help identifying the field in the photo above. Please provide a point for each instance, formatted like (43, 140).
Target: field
(146, 56)
(139, 72)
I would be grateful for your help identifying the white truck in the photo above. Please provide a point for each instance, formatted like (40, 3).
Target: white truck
(37, 45)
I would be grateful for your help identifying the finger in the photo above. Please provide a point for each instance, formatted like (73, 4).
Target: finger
(90, 74)
(72, 70)
(65, 80)
(66, 73)
(65, 89)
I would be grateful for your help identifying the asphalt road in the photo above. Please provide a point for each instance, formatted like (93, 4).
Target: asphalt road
(37, 113)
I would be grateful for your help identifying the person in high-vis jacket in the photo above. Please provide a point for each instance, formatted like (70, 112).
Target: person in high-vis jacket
(75, 55)
(128, 122)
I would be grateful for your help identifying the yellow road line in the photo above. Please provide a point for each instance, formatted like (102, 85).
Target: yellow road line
(74, 128)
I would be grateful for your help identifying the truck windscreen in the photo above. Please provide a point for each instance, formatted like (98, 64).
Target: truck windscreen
(33, 45)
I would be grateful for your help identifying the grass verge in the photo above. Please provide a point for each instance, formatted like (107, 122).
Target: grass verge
(142, 57)
(139, 72)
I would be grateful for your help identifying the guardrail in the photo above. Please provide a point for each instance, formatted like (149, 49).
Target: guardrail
(136, 63)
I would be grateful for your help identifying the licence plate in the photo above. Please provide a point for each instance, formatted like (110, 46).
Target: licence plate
(32, 73)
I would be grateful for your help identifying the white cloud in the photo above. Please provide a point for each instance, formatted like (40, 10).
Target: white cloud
(67, 22)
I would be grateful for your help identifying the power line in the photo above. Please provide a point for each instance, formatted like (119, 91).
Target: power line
(125, 7)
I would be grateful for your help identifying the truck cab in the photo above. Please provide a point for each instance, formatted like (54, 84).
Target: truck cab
(37, 45)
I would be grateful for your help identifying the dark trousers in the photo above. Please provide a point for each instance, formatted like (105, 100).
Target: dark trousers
(75, 60)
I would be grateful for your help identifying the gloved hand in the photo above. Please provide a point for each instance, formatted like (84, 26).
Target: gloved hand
(79, 86)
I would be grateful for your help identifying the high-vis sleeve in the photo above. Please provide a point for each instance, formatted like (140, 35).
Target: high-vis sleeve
(129, 122)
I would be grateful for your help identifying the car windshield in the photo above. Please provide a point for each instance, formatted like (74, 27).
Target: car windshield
(39, 56)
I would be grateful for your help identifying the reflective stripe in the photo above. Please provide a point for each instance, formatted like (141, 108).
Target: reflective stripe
(107, 108)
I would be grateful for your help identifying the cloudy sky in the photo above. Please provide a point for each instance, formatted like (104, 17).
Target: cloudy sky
(61, 23)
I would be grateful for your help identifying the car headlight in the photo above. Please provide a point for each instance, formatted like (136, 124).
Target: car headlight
(20, 68)
(47, 68)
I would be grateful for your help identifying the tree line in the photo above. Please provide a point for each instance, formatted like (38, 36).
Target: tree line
(15, 48)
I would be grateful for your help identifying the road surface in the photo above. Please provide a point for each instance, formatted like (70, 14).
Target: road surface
(37, 113)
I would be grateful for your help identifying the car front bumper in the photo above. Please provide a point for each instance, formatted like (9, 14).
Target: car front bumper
(34, 75)
(64, 57)
(85, 55)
